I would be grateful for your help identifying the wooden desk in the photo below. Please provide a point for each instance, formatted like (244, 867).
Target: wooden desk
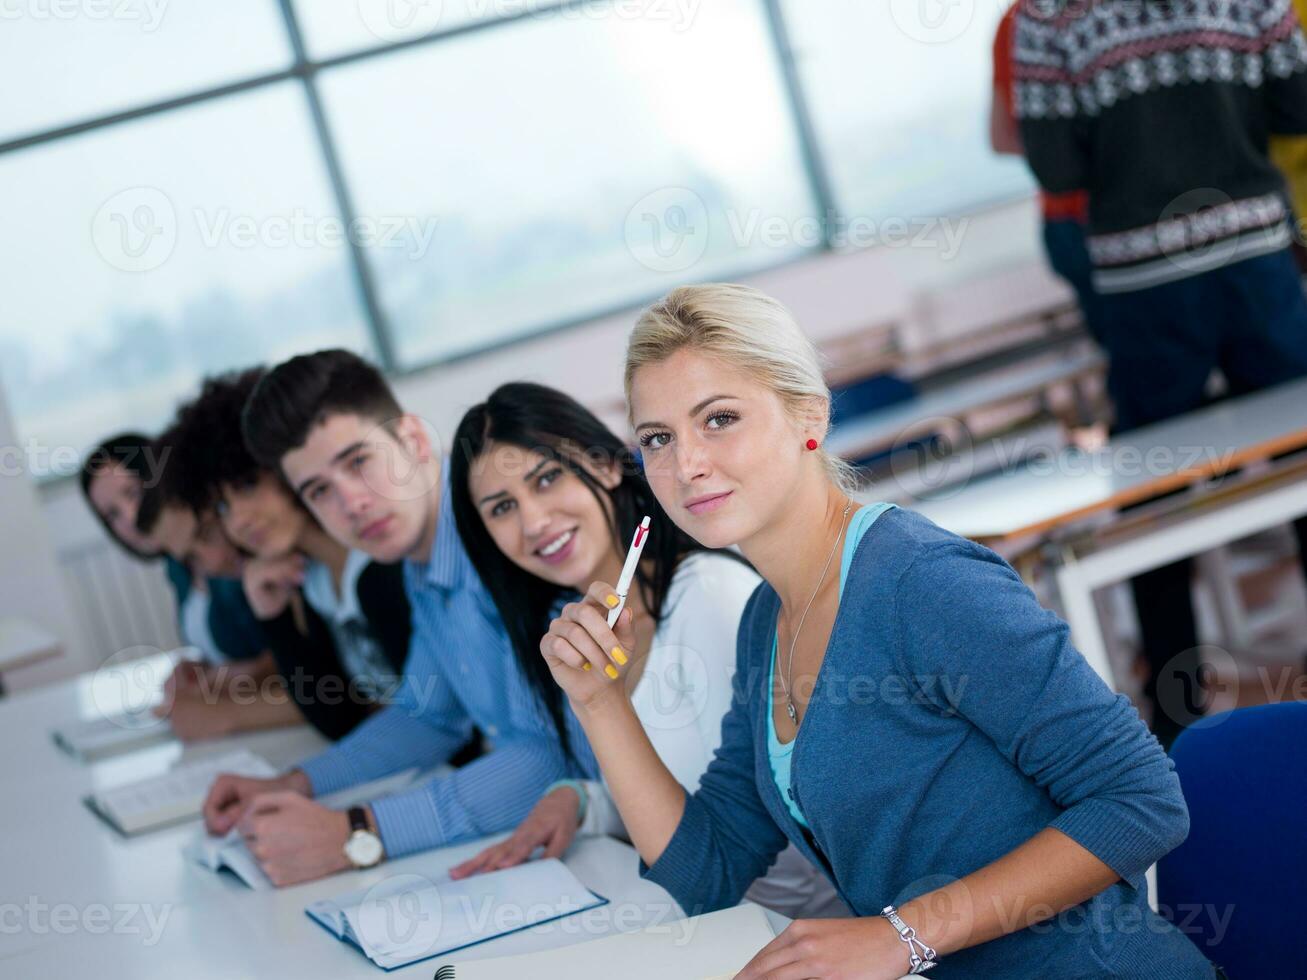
(1055, 497)
(880, 430)
(23, 643)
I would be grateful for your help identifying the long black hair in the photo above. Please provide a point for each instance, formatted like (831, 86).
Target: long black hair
(543, 420)
(128, 450)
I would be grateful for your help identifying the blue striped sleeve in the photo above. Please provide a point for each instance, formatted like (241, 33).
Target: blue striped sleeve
(423, 729)
(494, 793)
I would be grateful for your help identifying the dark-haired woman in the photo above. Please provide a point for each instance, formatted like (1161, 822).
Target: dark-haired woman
(546, 498)
(212, 614)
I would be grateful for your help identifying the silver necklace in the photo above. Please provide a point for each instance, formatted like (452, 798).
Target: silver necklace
(786, 680)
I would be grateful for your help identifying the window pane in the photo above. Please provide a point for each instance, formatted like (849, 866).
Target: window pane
(899, 92)
(78, 60)
(141, 256)
(333, 27)
(642, 154)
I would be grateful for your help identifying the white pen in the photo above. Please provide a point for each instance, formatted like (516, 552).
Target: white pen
(628, 570)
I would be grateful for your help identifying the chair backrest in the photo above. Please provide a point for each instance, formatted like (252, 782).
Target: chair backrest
(1238, 885)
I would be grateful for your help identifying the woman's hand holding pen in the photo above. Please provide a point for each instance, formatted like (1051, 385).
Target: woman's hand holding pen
(589, 662)
(586, 657)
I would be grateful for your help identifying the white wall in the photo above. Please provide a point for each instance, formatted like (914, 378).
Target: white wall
(31, 585)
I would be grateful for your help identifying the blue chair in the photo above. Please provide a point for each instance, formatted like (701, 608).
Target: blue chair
(1238, 886)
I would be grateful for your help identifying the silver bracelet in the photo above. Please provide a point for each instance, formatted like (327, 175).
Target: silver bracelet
(920, 956)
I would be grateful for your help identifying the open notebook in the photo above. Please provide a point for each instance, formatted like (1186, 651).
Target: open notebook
(705, 947)
(101, 738)
(174, 797)
(229, 853)
(406, 918)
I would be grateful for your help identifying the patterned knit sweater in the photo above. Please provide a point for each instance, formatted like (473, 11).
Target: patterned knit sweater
(1163, 110)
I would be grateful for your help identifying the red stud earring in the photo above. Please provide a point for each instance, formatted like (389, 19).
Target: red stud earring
(811, 444)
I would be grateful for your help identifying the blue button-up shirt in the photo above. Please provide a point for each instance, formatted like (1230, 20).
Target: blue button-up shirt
(461, 671)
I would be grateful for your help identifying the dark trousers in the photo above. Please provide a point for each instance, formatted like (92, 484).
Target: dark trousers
(1249, 320)
(1068, 255)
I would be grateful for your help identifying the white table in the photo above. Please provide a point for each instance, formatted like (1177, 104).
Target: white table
(1062, 495)
(53, 851)
(23, 643)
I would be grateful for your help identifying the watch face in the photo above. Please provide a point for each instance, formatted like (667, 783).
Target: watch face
(363, 849)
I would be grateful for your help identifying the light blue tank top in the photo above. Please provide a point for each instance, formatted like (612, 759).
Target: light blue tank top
(778, 753)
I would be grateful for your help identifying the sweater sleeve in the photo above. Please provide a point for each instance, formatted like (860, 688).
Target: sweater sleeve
(726, 839)
(1054, 133)
(1008, 666)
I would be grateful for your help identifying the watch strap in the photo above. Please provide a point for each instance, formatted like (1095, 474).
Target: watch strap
(358, 819)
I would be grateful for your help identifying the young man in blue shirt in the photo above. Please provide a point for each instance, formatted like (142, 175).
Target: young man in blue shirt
(370, 475)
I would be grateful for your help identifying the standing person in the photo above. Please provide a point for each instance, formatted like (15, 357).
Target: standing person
(1163, 111)
(1289, 153)
(545, 496)
(905, 713)
(1064, 215)
(366, 470)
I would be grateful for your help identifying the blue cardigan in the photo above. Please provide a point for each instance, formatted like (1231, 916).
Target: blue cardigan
(951, 721)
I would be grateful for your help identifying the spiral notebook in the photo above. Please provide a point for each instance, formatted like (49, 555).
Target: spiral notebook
(406, 918)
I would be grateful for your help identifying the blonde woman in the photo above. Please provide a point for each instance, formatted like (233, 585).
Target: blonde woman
(905, 713)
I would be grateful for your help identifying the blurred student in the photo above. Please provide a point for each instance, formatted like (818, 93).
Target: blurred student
(1163, 112)
(546, 498)
(1065, 215)
(905, 713)
(212, 612)
(337, 622)
(367, 471)
(201, 699)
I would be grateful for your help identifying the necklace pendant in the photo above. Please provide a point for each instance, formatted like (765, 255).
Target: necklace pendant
(794, 715)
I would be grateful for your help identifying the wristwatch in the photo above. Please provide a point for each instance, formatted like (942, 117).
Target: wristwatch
(363, 848)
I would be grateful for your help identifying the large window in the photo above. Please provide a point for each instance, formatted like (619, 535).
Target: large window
(543, 161)
(193, 186)
(899, 93)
